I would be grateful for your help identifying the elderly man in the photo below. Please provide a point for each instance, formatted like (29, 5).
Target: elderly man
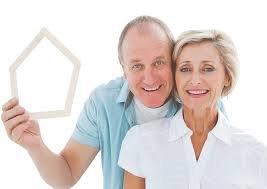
(145, 49)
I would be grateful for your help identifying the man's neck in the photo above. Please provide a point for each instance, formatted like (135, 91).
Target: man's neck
(145, 114)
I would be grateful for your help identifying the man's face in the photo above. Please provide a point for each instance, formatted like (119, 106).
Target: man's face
(147, 65)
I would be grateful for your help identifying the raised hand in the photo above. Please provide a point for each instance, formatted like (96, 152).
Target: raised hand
(19, 127)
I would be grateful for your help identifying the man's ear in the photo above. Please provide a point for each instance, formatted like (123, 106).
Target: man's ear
(124, 75)
(123, 69)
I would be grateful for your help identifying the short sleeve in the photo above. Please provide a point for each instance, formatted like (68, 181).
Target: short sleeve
(129, 158)
(86, 131)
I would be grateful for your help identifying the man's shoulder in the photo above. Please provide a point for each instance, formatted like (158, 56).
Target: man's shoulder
(105, 95)
(108, 90)
(116, 84)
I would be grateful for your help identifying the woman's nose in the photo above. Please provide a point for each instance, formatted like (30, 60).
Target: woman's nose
(195, 79)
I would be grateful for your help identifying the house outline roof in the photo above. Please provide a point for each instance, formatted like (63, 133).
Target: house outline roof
(74, 76)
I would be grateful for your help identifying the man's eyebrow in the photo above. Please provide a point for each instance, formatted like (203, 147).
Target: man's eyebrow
(159, 57)
(133, 61)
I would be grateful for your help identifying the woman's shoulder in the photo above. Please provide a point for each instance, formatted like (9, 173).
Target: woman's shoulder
(249, 144)
(152, 128)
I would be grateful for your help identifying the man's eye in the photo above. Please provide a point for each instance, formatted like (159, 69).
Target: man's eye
(184, 69)
(159, 63)
(136, 67)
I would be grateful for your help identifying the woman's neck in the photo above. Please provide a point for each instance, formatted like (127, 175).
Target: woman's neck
(200, 122)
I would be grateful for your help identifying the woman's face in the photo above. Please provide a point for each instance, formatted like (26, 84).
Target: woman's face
(200, 76)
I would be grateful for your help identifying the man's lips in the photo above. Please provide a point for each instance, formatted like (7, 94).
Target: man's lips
(152, 89)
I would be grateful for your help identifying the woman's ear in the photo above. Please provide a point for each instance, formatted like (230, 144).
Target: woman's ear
(227, 81)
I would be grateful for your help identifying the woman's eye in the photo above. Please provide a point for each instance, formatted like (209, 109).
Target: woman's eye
(184, 69)
(208, 69)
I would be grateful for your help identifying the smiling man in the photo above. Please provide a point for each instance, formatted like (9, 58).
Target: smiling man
(143, 94)
(147, 64)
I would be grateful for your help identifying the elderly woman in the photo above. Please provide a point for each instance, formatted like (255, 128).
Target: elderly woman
(198, 148)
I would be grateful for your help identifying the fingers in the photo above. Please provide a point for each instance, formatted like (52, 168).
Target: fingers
(18, 131)
(12, 123)
(10, 104)
(11, 113)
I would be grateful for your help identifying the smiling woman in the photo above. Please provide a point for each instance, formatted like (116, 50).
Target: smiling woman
(200, 76)
(184, 150)
(217, 47)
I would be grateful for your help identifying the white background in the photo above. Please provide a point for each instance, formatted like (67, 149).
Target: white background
(90, 29)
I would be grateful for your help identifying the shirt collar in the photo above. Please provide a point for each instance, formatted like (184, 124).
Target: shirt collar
(174, 107)
(178, 128)
(222, 129)
(124, 93)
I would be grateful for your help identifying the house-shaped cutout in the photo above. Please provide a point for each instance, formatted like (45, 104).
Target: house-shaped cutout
(74, 76)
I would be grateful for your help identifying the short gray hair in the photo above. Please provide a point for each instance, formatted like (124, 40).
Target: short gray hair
(221, 42)
(140, 20)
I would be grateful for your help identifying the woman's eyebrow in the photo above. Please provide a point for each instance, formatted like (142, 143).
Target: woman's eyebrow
(184, 62)
(207, 61)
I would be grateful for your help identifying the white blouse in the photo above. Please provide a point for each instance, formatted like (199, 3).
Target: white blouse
(161, 152)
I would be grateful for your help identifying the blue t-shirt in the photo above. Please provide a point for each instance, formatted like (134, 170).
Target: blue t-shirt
(103, 123)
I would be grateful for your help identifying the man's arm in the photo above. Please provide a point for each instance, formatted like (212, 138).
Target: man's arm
(65, 169)
(58, 170)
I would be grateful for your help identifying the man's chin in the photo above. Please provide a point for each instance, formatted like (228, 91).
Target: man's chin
(153, 104)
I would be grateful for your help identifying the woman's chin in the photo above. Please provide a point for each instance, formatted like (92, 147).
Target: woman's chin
(196, 107)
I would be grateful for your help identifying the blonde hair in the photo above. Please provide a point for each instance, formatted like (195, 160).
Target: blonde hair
(221, 42)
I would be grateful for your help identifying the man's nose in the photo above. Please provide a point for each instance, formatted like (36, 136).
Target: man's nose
(149, 76)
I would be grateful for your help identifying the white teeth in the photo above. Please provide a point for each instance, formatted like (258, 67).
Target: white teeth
(197, 91)
(152, 89)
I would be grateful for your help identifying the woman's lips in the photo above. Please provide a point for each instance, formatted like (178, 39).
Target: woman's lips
(197, 93)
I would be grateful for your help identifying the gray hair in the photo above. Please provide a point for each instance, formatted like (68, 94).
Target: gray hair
(140, 21)
(221, 42)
